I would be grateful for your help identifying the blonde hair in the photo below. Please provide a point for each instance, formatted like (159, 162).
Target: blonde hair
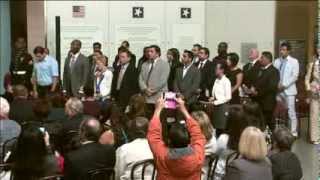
(252, 144)
(101, 59)
(204, 123)
(74, 105)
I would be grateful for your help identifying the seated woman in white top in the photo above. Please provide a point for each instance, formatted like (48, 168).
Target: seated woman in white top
(135, 151)
(209, 132)
(103, 79)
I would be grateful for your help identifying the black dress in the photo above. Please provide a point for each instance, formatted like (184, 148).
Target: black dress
(232, 75)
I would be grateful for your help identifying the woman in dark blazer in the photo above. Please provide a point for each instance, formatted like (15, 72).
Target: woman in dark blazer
(253, 163)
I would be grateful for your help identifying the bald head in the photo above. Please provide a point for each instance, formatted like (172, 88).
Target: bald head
(90, 130)
(253, 54)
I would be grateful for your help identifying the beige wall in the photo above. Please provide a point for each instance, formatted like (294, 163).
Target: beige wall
(35, 24)
(239, 22)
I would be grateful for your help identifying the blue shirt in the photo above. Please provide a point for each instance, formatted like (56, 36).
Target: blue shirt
(45, 71)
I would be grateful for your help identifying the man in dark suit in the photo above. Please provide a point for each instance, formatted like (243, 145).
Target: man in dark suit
(91, 155)
(125, 80)
(264, 91)
(207, 70)
(76, 68)
(124, 45)
(187, 79)
(222, 53)
(251, 69)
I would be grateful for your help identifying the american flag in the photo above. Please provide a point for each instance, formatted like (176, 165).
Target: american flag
(78, 11)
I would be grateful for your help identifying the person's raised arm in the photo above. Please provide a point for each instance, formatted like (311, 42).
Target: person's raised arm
(197, 140)
(154, 135)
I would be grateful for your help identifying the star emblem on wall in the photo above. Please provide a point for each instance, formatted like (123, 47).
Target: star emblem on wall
(137, 12)
(185, 13)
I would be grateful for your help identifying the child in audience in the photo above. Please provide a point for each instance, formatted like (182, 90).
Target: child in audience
(285, 164)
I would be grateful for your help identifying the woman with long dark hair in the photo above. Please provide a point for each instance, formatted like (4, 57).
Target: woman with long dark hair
(235, 75)
(173, 57)
(33, 157)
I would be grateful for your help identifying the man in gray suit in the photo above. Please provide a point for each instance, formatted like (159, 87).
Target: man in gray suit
(76, 68)
(188, 77)
(153, 77)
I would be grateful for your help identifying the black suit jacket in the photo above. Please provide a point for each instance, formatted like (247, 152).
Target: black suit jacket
(267, 86)
(207, 78)
(115, 64)
(21, 110)
(189, 84)
(88, 157)
(286, 166)
(129, 85)
(250, 75)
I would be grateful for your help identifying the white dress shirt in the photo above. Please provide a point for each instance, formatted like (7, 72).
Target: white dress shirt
(130, 153)
(185, 70)
(221, 90)
(105, 85)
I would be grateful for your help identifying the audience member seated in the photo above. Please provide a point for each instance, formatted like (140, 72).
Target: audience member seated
(208, 132)
(90, 105)
(285, 164)
(21, 106)
(253, 163)
(227, 144)
(57, 112)
(254, 115)
(137, 150)
(184, 156)
(91, 155)
(8, 128)
(70, 127)
(115, 126)
(33, 157)
(136, 107)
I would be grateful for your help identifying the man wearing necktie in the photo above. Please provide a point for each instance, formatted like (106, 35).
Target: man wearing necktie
(252, 68)
(153, 77)
(287, 90)
(125, 80)
(207, 70)
(187, 79)
(76, 68)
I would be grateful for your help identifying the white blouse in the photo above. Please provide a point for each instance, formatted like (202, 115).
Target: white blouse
(105, 84)
(221, 91)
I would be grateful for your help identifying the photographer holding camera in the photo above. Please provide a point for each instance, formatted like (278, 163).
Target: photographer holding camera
(184, 156)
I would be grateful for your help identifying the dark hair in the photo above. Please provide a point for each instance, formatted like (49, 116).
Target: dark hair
(137, 106)
(156, 48)
(90, 129)
(286, 44)
(234, 58)
(267, 55)
(254, 115)
(236, 123)
(97, 44)
(78, 41)
(126, 42)
(221, 65)
(88, 91)
(124, 50)
(38, 49)
(190, 54)
(223, 44)
(30, 154)
(206, 50)
(138, 128)
(283, 138)
(41, 108)
(178, 135)
(175, 53)
(197, 45)
(100, 52)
